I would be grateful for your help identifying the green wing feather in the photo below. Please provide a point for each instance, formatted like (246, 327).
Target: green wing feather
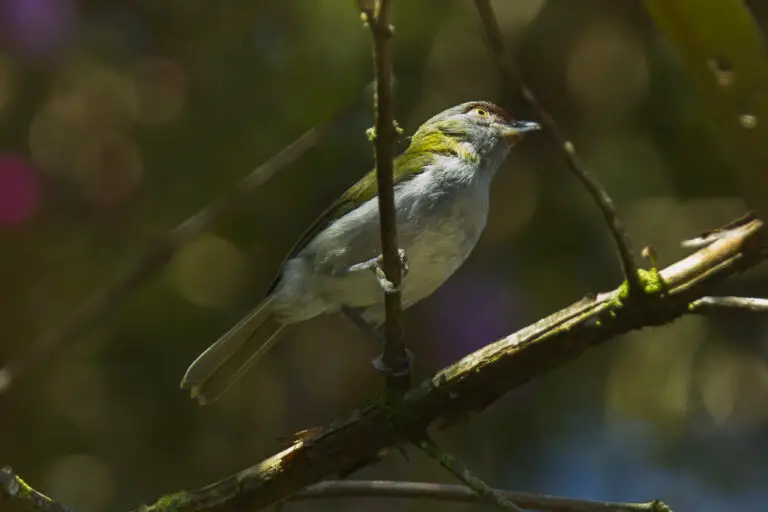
(425, 145)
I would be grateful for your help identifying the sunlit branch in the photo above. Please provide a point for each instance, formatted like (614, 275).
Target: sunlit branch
(708, 305)
(475, 381)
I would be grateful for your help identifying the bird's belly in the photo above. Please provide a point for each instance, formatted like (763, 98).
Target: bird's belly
(434, 255)
(437, 236)
(435, 247)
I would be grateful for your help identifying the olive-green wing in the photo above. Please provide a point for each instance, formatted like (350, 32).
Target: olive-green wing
(407, 166)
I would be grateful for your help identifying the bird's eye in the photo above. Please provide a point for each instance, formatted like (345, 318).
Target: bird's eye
(481, 112)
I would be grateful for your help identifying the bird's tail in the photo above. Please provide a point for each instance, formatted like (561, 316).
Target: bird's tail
(226, 361)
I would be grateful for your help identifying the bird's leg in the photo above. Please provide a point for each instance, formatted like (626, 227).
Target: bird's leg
(375, 265)
(387, 285)
(354, 316)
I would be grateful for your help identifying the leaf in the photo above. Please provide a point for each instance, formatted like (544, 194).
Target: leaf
(723, 51)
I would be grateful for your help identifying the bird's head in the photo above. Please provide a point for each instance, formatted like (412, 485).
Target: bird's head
(478, 127)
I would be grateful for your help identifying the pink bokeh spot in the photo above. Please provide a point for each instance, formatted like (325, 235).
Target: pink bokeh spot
(19, 190)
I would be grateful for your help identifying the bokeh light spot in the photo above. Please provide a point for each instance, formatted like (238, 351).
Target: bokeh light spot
(110, 97)
(516, 15)
(651, 378)
(88, 102)
(733, 386)
(161, 88)
(210, 272)
(19, 190)
(81, 481)
(77, 392)
(109, 169)
(56, 132)
(454, 64)
(607, 70)
(620, 156)
(748, 121)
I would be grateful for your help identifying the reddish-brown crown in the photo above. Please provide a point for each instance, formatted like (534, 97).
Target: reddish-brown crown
(490, 107)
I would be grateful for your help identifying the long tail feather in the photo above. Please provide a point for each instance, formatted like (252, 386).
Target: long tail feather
(212, 373)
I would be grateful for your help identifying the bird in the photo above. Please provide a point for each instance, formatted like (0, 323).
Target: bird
(442, 184)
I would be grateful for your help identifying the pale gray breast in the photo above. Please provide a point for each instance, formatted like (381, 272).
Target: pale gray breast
(440, 219)
(443, 227)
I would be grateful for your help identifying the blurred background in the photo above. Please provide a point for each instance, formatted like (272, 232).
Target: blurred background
(119, 119)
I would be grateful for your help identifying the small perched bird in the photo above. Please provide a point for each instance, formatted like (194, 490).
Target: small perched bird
(442, 187)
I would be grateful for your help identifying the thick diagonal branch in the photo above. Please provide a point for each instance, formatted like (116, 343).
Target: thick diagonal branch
(477, 380)
(511, 77)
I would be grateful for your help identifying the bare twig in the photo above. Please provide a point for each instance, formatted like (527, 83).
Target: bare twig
(394, 358)
(475, 381)
(465, 476)
(463, 494)
(14, 489)
(708, 305)
(511, 77)
(105, 301)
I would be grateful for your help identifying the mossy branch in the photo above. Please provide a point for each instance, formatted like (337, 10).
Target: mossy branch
(477, 380)
(468, 385)
(14, 489)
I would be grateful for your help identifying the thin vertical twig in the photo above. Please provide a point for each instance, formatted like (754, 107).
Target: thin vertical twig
(394, 358)
(155, 257)
(511, 76)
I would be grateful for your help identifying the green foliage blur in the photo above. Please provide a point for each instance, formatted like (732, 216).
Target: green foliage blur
(119, 119)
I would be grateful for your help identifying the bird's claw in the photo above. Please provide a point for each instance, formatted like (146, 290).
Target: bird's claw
(387, 285)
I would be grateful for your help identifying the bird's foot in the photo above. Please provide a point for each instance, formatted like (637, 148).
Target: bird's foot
(401, 367)
(387, 285)
(376, 265)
